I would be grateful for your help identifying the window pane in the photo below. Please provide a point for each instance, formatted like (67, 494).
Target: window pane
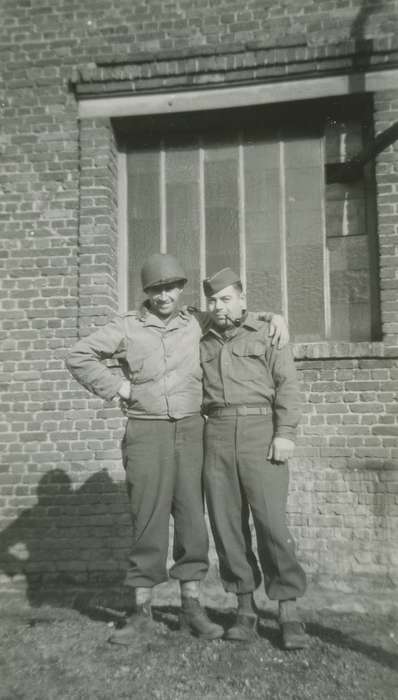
(343, 140)
(305, 238)
(183, 212)
(345, 209)
(143, 215)
(263, 225)
(350, 288)
(221, 206)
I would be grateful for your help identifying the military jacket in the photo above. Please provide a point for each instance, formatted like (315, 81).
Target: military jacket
(243, 368)
(160, 360)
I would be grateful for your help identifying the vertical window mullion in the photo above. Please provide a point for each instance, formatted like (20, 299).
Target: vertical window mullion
(202, 223)
(242, 228)
(162, 198)
(283, 252)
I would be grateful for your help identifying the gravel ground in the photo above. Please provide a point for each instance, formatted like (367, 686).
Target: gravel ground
(61, 652)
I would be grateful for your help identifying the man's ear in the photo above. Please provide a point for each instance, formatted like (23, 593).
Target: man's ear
(243, 299)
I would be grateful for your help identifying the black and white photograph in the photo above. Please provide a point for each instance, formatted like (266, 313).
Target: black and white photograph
(199, 350)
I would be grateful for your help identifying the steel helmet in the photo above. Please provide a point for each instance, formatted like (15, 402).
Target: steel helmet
(161, 268)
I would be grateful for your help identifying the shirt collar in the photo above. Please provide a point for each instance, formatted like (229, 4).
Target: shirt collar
(249, 320)
(150, 319)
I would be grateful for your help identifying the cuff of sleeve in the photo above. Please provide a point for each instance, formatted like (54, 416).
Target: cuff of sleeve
(285, 432)
(115, 394)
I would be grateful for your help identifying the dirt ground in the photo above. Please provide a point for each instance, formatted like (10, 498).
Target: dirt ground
(59, 650)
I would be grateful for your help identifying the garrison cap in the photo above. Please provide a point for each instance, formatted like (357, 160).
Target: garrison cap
(221, 279)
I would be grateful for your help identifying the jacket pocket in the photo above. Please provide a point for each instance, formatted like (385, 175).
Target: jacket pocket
(249, 348)
(248, 360)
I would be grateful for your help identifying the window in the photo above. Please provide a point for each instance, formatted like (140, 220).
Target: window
(271, 193)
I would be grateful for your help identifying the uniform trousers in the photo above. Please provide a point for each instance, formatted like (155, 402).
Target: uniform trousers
(163, 460)
(238, 480)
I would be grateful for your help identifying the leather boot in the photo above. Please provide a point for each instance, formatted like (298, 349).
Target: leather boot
(194, 618)
(140, 623)
(243, 629)
(292, 629)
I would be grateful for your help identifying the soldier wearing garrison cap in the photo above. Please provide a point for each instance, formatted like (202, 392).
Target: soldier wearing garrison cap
(223, 278)
(160, 390)
(251, 399)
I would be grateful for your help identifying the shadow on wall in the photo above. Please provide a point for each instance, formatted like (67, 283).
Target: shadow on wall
(69, 534)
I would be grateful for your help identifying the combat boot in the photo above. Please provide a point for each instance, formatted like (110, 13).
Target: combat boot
(194, 618)
(139, 624)
(292, 629)
(243, 629)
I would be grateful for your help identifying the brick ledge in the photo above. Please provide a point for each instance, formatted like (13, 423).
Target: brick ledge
(236, 64)
(342, 349)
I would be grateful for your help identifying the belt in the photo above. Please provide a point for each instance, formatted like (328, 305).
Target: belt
(239, 411)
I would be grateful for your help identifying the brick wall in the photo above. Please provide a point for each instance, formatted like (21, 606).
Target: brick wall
(343, 500)
(63, 511)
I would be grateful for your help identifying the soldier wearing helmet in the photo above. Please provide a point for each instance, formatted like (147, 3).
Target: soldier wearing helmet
(160, 391)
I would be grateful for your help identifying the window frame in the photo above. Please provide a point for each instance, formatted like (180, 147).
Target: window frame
(343, 106)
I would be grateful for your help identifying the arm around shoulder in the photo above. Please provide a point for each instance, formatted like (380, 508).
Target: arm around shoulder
(278, 328)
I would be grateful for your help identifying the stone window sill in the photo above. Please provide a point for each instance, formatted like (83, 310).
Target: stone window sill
(342, 349)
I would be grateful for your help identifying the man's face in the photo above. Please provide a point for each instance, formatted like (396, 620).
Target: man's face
(226, 306)
(164, 298)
